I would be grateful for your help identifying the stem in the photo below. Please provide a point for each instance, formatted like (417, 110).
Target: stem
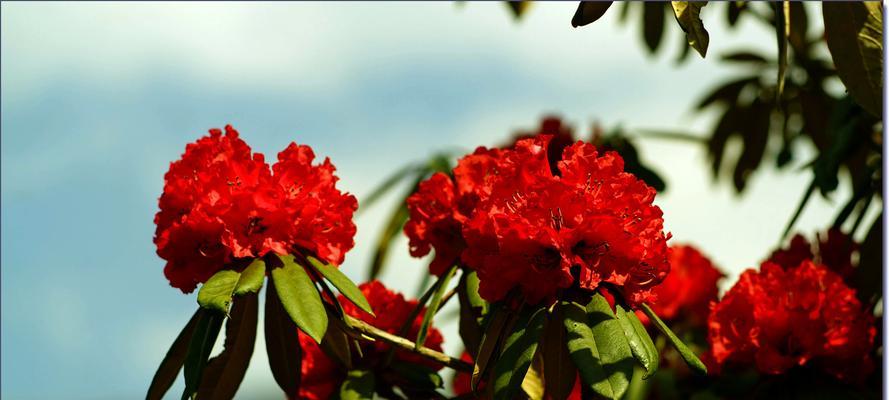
(407, 345)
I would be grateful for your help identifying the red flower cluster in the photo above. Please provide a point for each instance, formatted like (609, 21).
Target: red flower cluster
(834, 249)
(509, 217)
(321, 376)
(779, 318)
(686, 292)
(221, 203)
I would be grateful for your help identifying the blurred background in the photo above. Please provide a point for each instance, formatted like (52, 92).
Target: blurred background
(99, 98)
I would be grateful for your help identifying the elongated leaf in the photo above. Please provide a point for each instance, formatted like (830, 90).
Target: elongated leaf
(251, 278)
(640, 342)
(518, 351)
(342, 283)
(653, 14)
(690, 358)
(390, 231)
(688, 14)
(433, 305)
(854, 35)
(336, 341)
(359, 385)
(224, 373)
(300, 298)
(588, 12)
(867, 277)
(387, 185)
(216, 293)
(728, 93)
(489, 345)
(744, 57)
(282, 344)
(799, 210)
(169, 368)
(199, 348)
(734, 10)
(782, 29)
(559, 372)
(533, 385)
(418, 376)
(469, 328)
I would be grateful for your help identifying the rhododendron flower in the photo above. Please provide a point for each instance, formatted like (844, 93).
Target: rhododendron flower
(321, 376)
(686, 292)
(779, 318)
(221, 203)
(834, 249)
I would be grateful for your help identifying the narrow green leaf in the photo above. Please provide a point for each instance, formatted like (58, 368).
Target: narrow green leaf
(854, 35)
(359, 385)
(653, 14)
(433, 305)
(169, 368)
(533, 385)
(588, 12)
(469, 327)
(559, 372)
(518, 351)
(216, 293)
(387, 185)
(799, 210)
(342, 283)
(251, 278)
(199, 348)
(688, 14)
(640, 342)
(782, 29)
(300, 298)
(224, 373)
(490, 341)
(390, 231)
(867, 277)
(418, 376)
(690, 358)
(336, 341)
(282, 344)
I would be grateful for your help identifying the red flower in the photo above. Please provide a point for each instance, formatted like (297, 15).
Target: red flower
(689, 288)
(834, 249)
(533, 227)
(435, 222)
(779, 318)
(321, 376)
(221, 203)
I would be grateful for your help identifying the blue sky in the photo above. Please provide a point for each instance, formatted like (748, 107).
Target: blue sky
(98, 98)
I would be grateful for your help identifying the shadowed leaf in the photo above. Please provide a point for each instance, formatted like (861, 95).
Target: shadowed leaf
(688, 14)
(687, 355)
(734, 11)
(199, 348)
(169, 368)
(359, 385)
(588, 12)
(854, 35)
(388, 184)
(867, 277)
(336, 341)
(282, 344)
(224, 373)
(518, 8)
(727, 93)
(653, 15)
(517, 352)
(489, 345)
(559, 371)
(471, 311)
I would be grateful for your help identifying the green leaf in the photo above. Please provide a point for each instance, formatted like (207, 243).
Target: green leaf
(216, 293)
(588, 12)
(418, 376)
(433, 305)
(745, 57)
(490, 341)
(251, 278)
(867, 278)
(300, 298)
(470, 313)
(559, 372)
(388, 184)
(224, 373)
(282, 344)
(533, 385)
(782, 29)
(598, 347)
(518, 351)
(359, 385)
(169, 368)
(653, 14)
(336, 341)
(342, 283)
(688, 14)
(690, 358)
(390, 231)
(640, 342)
(199, 348)
(518, 8)
(854, 35)
(734, 10)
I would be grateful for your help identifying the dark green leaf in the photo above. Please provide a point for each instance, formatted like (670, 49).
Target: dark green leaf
(755, 133)
(728, 93)
(336, 341)
(588, 12)
(251, 278)
(688, 14)
(518, 7)
(690, 358)
(224, 373)
(518, 350)
(199, 348)
(782, 29)
(391, 230)
(359, 385)
(598, 347)
(653, 14)
(624, 11)
(867, 278)
(637, 337)
(799, 210)
(799, 26)
(489, 345)
(342, 283)
(559, 372)
(169, 368)
(388, 184)
(442, 286)
(735, 8)
(300, 298)
(854, 35)
(282, 344)
(216, 293)
(418, 376)
(470, 314)
(745, 57)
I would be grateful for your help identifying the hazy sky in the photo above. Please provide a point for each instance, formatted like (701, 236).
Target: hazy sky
(98, 98)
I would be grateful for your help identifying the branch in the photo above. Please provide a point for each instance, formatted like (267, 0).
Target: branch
(407, 345)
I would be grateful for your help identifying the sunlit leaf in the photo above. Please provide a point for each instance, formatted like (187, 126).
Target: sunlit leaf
(559, 371)
(224, 373)
(434, 303)
(688, 14)
(690, 358)
(282, 344)
(588, 12)
(342, 283)
(598, 347)
(517, 351)
(489, 345)
(251, 278)
(199, 348)
(169, 368)
(532, 384)
(854, 35)
(359, 385)
(640, 342)
(300, 298)
(216, 293)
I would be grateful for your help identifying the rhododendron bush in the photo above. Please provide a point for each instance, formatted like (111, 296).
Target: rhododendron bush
(567, 283)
